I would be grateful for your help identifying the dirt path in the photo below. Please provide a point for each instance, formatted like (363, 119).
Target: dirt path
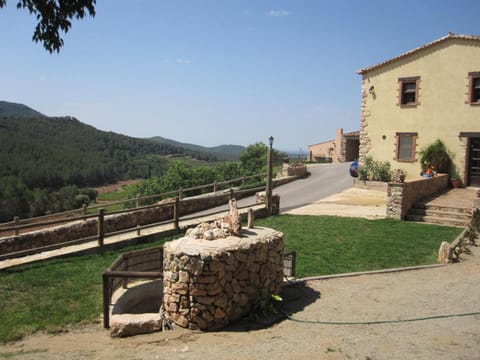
(113, 187)
(451, 289)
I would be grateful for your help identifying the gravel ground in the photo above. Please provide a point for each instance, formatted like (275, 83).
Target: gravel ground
(453, 289)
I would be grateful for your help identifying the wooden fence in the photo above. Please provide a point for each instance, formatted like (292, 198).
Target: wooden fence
(141, 264)
(100, 220)
(17, 224)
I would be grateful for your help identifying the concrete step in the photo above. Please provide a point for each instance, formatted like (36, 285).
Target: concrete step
(441, 213)
(438, 220)
(438, 214)
(449, 209)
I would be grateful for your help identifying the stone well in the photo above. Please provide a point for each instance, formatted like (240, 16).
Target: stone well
(210, 283)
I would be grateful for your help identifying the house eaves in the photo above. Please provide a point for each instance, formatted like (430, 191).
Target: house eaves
(353, 134)
(450, 36)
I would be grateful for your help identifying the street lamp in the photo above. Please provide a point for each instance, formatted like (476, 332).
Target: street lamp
(269, 177)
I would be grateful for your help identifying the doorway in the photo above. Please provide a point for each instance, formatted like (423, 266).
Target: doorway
(474, 162)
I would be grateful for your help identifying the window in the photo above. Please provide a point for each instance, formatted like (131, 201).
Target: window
(409, 91)
(474, 87)
(406, 144)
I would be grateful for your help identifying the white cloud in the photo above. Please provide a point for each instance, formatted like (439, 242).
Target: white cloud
(278, 13)
(183, 61)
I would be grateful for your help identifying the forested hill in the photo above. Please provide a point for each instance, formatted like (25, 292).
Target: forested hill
(8, 109)
(223, 152)
(51, 152)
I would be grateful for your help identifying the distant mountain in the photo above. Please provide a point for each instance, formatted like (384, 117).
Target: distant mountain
(9, 109)
(222, 152)
(52, 152)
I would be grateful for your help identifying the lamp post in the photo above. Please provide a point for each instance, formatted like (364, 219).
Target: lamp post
(269, 177)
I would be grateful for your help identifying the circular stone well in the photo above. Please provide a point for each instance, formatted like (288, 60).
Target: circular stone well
(208, 284)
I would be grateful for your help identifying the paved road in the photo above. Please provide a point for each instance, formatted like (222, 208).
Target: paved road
(325, 180)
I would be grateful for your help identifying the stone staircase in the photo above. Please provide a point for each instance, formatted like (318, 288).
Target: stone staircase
(449, 215)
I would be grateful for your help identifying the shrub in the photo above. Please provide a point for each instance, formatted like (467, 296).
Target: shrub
(436, 155)
(375, 170)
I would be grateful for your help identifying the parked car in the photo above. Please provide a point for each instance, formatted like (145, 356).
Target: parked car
(354, 169)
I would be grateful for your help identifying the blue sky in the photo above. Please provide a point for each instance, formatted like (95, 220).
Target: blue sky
(219, 71)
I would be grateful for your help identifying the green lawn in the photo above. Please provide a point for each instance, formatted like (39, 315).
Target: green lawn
(51, 295)
(332, 245)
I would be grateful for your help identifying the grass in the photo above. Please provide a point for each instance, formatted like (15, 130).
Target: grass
(332, 245)
(116, 195)
(52, 295)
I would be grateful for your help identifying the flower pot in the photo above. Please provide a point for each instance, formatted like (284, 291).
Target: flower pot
(456, 183)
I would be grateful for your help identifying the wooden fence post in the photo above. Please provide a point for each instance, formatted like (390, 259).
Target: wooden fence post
(180, 193)
(101, 234)
(176, 211)
(15, 223)
(251, 218)
(215, 186)
(106, 301)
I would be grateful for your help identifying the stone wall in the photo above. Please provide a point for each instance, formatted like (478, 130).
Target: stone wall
(401, 197)
(290, 171)
(209, 284)
(365, 140)
(86, 228)
(297, 170)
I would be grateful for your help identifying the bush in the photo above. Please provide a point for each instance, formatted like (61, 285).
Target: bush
(372, 170)
(436, 155)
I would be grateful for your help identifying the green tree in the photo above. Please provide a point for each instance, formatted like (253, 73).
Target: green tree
(254, 159)
(178, 175)
(228, 171)
(54, 16)
(14, 198)
(39, 202)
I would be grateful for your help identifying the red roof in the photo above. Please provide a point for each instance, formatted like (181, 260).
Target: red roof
(450, 36)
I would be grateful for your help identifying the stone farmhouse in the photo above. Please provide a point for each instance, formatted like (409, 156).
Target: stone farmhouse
(429, 93)
(341, 149)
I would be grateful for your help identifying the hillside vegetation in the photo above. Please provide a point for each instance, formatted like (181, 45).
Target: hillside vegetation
(54, 152)
(222, 152)
(18, 110)
(45, 162)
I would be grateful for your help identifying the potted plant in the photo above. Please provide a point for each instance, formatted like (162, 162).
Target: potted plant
(456, 181)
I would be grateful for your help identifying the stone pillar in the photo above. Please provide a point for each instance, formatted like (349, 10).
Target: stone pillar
(395, 201)
(340, 148)
(365, 141)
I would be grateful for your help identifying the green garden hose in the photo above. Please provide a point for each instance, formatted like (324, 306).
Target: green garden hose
(289, 317)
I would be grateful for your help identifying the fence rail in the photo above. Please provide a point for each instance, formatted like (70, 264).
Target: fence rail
(140, 264)
(102, 233)
(16, 223)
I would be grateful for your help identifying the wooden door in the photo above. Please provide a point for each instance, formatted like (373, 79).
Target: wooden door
(474, 162)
